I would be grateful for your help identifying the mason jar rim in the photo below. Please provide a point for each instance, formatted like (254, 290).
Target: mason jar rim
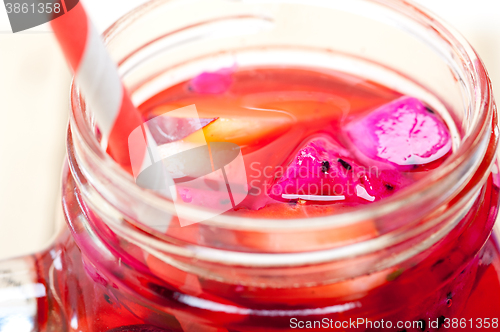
(446, 181)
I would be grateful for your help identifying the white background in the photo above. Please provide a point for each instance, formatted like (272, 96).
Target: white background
(34, 85)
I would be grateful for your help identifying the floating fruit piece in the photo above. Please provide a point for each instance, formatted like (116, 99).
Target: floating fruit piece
(243, 131)
(240, 125)
(382, 183)
(212, 82)
(172, 125)
(305, 106)
(403, 132)
(324, 168)
(166, 129)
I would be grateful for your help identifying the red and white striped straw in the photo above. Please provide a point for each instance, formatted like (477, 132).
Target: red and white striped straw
(97, 77)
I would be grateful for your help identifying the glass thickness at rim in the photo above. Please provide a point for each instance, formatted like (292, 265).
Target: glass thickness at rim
(474, 154)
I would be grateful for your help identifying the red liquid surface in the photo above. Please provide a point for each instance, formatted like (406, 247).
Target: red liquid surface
(272, 114)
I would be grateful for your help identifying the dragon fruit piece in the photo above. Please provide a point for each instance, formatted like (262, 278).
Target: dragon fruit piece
(212, 82)
(324, 171)
(380, 184)
(308, 174)
(403, 132)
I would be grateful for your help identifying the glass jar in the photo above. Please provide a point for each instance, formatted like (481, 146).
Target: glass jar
(433, 265)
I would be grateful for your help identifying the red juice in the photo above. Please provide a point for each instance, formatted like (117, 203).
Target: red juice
(281, 118)
(271, 113)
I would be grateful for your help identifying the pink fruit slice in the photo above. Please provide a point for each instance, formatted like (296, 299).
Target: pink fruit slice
(403, 132)
(324, 168)
(212, 82)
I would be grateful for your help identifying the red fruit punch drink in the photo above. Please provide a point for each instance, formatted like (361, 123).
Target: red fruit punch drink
(305, 128)
(326, 178)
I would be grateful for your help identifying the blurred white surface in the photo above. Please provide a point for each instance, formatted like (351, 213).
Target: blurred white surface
(34, 91)
(34, 85)
(33, 102)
